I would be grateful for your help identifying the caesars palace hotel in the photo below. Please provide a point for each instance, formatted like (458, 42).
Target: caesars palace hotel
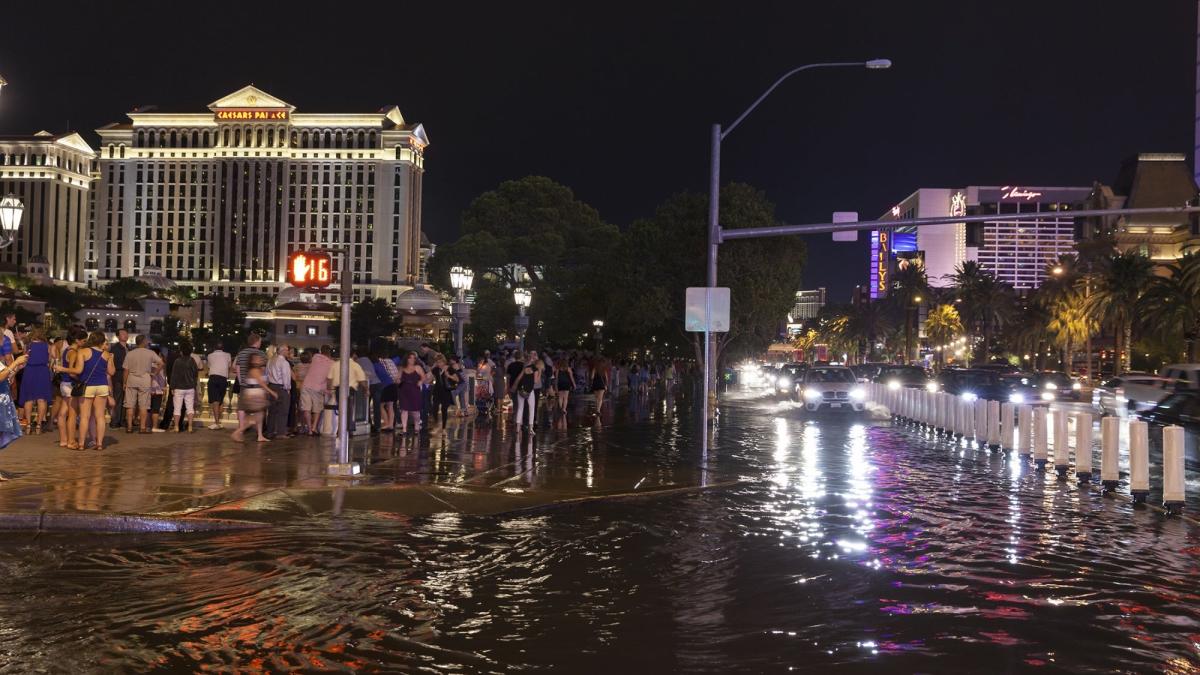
(218, 200)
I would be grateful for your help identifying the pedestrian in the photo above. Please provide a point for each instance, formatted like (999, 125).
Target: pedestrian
(562, 384)
(374, 387)
(140, 366)
(10, 426)
(389, 378)
(241, 365)
(158, 390)
(408, 395)
(68, 411)
(357, 388)
(279, 380)
(253, 397)
(218, 363)
(314, 389)
(599, 376)
(8, 344)
(119, 350)
(525, 392)
(95, 369)
(35, 389)
(513, 373)
(445, 381)
(184, 375)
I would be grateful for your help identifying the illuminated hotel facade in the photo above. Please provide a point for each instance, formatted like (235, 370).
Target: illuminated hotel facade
(218, 200)
(1015, 251)
(51, 175)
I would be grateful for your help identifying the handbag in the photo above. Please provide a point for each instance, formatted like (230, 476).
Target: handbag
(78, 387)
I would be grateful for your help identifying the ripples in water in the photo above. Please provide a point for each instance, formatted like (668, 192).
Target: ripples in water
(855, 546)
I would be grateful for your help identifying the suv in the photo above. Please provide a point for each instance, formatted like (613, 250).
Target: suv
(1185, 375)
(1130, 391)
(832, 388)
(973, 383)
(906, 377)
(1055, 386)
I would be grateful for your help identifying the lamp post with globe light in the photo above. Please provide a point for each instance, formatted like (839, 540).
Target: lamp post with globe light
(598, 324)
(523, 298)
(461, 279)
(11, 210)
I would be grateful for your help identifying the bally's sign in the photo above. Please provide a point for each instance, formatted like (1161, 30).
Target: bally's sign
(251, 114)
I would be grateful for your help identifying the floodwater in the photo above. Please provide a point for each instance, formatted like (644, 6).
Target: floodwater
(850, 545)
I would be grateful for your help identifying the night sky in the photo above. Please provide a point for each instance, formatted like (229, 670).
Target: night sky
(616, 100)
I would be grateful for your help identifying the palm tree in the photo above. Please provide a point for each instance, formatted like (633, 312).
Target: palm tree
(910, 290)
(866, 323)
(1071, 324)
(1118, 285)
(805, 342)
(1172, 304)
(986, 303)
(941, 325)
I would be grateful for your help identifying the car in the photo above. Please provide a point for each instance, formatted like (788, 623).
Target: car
(788, 377)
(1130, 391)
(832, 388)
(1055, 386)
(974, 383)
(1020, 388)
(1181, 407)
(867, 372)
(1002, 368)
(906, 377)
(1185, 375)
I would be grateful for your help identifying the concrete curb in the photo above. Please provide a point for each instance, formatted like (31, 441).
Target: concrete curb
(115, 524)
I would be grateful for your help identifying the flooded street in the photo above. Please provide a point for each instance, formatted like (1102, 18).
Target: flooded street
(848, 544)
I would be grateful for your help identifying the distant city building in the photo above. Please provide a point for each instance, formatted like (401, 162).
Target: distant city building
(808, 304)
(1016, 251)
(1148, 180)
(51, 175)
(218, 199)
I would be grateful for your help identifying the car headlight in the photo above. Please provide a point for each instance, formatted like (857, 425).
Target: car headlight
(858, 393)
(1051, 386)
(894, 384)
(931, 386)
(1076, 386)
(812, 394)
(783, 381)
(1047, 396)
(970, 396)
(1016, 398)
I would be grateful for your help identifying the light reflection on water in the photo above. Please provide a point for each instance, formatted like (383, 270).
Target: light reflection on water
(855, 544)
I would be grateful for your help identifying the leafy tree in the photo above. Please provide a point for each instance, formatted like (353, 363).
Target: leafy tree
(16, 281)
(62, 303)
(371, 319)
(1119, 285)
(126, 290)
(228, 320)
(1170, 308)
(910, 290)
(942, 325)
(1071, 323)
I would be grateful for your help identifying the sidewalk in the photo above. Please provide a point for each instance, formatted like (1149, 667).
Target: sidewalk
(476, 466)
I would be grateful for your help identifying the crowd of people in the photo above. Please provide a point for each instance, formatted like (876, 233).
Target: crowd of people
(83, 383)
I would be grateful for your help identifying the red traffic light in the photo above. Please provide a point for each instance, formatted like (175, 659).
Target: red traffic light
(310, 269)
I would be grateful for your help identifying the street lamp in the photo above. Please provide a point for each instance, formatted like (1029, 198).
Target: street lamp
(11, 209)
(714, 202)
(598, 324)
(523, 298)
(461, 279)
(1057, 270)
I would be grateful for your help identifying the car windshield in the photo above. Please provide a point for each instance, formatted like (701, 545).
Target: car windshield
(905, 374)
(830, 375)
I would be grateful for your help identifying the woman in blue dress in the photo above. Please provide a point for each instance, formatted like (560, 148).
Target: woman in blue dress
(35, 383)
(10, 426)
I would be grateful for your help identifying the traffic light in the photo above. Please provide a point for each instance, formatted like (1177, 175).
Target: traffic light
(310, 269)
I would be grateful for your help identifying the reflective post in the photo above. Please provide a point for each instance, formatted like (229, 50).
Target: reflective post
(1139, 461)
(1173, 484)
(1040, 452)
(1083, 447)
(1006, 425)
(1110, 453)
(993, 425)
(981, 420)
(1062, 450)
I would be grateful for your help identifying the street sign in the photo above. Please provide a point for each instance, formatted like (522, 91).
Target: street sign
(845, 217)
(706, 310)
(310, 269)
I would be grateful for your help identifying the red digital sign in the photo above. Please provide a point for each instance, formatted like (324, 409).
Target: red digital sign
(310, 269)
(252, 114)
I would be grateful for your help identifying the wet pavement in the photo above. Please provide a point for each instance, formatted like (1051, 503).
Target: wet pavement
(823, 543)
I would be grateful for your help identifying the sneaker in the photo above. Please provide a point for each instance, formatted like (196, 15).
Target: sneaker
(215, 427)
(156, 430)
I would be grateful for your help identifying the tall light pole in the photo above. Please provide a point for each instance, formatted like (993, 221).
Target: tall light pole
(523, 298)
(714, 197)
(598, 324)
(11, 210)
(461, 279)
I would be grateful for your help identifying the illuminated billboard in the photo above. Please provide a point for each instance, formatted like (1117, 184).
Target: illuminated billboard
(881, 260)
(252, 114)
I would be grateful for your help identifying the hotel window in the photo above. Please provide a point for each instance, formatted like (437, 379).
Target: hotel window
(289, 329)
(311, 331)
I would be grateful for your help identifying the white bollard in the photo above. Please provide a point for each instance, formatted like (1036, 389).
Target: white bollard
(1040, 453)
(965, 418)
(1173, 485)
(1110, 452)
(1139, 461)
(1006, 425)
(1083, 447)
(1024, 442)
(1062, 450)
(945, 413)
(981, 407)
(993, 425)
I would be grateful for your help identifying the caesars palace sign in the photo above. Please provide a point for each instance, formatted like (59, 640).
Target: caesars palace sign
(251, 114)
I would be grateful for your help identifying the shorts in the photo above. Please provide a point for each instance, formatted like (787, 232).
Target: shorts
(96, 391)
(156, 401)
(64, 389)
(184, 398)
(312, 400)
(137, 398)
(217, 386)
